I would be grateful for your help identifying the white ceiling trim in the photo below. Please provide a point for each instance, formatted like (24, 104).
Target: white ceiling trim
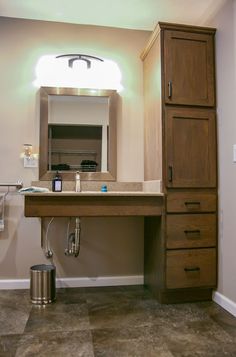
(130, 14)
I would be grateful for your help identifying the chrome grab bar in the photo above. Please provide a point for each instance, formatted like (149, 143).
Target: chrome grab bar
(18, 184)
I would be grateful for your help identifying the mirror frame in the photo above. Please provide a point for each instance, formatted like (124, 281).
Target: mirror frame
(112, 95)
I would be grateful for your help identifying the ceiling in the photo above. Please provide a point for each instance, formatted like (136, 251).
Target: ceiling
(131, 14)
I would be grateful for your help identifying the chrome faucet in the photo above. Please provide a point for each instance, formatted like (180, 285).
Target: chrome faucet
(77, 182)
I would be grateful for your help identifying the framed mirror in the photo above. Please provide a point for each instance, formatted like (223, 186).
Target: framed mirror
(78, 133)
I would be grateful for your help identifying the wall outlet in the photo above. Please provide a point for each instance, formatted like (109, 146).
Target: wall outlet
(30, 161)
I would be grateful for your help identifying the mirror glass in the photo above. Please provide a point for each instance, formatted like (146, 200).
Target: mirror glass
(77, 133)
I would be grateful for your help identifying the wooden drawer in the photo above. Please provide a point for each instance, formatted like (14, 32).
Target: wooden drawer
(190, 230)
(191, 268)
(191, 202)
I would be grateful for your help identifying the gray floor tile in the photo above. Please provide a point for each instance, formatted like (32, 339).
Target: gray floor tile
(57, 317)
(8, 345)
(60, 344)
(70, 296)
(135, 292)
(220, 316)
(14, 311)
(130, 342)
(113, 321)
(120, 313)
(199, 338)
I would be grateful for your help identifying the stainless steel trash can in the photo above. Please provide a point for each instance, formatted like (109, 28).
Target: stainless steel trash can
(42, 284)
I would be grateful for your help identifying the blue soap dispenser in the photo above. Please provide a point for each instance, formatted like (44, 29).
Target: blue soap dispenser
(57, 183)
(104, 188)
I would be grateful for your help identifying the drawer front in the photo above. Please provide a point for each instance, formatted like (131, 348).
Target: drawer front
(191, 202)
(190, 230)
(191, 268)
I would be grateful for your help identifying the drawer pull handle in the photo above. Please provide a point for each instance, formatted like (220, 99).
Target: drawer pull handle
(194, 205)
(170, 173)
(195, 232)
(191, 269)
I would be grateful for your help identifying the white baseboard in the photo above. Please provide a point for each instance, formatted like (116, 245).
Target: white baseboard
(224, 302)
(77, 282)
(100, 281)
(14, 284)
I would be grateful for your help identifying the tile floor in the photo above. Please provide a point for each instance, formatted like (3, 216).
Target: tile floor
(112, 322)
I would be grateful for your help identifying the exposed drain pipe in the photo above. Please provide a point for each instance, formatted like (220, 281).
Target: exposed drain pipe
(73, 239)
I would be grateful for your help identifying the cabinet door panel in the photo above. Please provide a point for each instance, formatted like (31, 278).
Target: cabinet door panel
(190, 231)
(189, 68)
(190, 148)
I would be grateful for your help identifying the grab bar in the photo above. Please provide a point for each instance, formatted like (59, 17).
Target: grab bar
(18, 184)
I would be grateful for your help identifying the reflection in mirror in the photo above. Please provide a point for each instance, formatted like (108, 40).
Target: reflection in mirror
(77, 133)
(75, 147)
(80, 141)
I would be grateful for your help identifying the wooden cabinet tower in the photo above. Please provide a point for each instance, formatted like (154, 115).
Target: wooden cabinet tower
(180, 150)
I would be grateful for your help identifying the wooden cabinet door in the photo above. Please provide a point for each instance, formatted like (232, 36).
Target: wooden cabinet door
(188, 68)
(190, 140)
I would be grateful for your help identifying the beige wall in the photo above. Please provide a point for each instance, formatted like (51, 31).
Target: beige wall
(109, 246)
(225, 22)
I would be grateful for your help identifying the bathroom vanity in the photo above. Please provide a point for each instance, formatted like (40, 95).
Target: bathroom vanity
(180, 220)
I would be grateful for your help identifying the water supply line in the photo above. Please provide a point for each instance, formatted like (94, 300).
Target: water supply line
(73, 239)
(48, 252)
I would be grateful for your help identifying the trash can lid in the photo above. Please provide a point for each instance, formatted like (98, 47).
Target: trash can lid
(43, 267)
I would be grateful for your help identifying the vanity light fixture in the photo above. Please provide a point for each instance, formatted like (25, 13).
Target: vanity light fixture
(78, 71)
(80, 57)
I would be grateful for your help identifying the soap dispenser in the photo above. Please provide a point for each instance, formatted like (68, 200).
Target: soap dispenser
(57, 183)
